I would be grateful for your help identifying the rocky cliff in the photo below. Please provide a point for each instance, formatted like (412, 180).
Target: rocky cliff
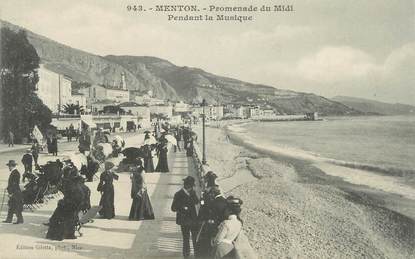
(168, 81)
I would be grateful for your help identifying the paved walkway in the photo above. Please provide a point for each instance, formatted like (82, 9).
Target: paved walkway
(116, 238)
(4, 148)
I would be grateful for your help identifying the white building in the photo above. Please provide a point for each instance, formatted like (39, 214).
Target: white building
(117, 93)
(96, 93)
(215, 112)
(268, 113)
(182, 107)
(53, 89)
(212, 112)
(148, 100)
(255, 112)
(141, 111)
(109, 121)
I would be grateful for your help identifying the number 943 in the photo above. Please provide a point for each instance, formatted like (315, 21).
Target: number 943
(135, 8)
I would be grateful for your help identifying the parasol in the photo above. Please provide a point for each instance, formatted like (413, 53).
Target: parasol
(171, 139)
(120, 140)
(106, 148)
(142, 141)
(150, 141)
(78, 159)
(132, 152)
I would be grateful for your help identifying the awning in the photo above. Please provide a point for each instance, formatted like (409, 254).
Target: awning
(89, 123)
(63, 124)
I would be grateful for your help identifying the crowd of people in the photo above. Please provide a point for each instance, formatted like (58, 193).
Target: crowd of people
(213, 228)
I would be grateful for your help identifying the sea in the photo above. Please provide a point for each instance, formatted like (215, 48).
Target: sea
(383, 144)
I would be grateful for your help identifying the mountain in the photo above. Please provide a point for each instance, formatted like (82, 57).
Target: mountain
(375, 107)
(168, 81)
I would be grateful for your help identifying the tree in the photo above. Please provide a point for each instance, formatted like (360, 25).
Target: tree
(160, 116)
(114, 109)
(22, 109)
(73, 108)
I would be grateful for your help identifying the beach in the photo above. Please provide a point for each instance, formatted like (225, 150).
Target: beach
(296, 208)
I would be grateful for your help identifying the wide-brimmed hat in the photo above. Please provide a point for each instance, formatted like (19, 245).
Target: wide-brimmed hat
(234, 201)
(67, 161)
(210, 174)
(189, 180)
(11, 163)
(108, 165)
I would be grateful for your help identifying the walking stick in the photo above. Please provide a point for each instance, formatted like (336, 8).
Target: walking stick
(200, 231)
(2, 202)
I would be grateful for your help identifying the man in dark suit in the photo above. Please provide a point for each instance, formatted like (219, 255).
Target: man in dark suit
(184, 204)
(15, 194)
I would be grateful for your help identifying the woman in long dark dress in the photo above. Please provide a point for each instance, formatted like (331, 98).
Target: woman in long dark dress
(54, 145)
(141, 207)
(162, 165)
(148, 159)
(189, 147)
(106, 188)
(49, 144)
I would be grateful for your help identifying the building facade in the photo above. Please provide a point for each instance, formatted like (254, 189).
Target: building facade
(78, 99)
(53, 89)
(255, 112)
(141, 111)
(182, 107)
(96, 93)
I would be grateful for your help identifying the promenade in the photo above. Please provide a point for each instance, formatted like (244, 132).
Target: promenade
(116, 238)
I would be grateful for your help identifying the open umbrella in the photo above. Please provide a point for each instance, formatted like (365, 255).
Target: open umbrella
(141, 139)
(150, 141)
(147, 131)
(171, 139)
(106, 148)
(132, 152)
(119, 140)
(78, 159)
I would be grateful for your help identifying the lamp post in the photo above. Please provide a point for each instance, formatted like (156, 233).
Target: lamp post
(204, 134)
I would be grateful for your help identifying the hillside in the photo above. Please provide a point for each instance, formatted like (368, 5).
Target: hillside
(168, 81)
(375, 107)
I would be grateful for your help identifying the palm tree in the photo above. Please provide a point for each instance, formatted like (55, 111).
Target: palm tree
(73, 108)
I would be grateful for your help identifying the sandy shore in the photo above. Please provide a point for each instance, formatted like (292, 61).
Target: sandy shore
(292, 209)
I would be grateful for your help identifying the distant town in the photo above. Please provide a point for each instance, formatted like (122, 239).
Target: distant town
(116, 107)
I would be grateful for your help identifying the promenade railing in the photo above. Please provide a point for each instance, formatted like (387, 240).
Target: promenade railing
(243, 249)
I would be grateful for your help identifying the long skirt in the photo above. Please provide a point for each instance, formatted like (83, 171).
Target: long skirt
(148, 165)
(162, 165)
(203, 247)
(107, 203)
(141, 208)
(62, 223)
(223, 250)
(56, 225)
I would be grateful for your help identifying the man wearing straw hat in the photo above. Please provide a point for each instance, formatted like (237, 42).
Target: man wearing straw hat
(15, 194)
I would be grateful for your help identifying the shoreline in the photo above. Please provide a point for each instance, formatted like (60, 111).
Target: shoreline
(300, 202)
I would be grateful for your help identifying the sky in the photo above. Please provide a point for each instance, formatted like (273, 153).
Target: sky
(360, 48)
